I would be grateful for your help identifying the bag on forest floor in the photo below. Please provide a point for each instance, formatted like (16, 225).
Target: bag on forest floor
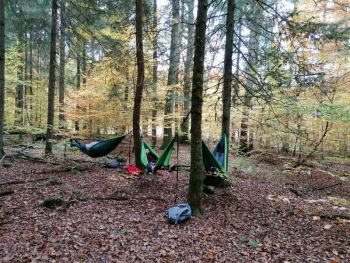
(179, 213)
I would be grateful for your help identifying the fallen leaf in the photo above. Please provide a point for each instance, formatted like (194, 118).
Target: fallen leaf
(327, 226)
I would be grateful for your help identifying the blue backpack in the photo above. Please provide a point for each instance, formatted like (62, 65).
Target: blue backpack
(179, 213)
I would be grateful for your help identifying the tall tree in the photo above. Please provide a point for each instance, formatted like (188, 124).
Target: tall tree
(2, 74)
(61, 81)
(19, 120)
(52, 79)
(78, 61)
(226, 93)
(155, 72)
(139, 84)
(173, 73)
(196, 171)
(251, 69)
(188, 69)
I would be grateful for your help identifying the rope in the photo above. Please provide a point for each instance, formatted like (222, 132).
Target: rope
(130, 150)
(177, 167)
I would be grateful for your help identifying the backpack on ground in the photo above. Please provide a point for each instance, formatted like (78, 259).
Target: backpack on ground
(179, 213)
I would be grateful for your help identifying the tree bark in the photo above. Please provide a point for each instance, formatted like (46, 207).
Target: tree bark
(173, 74)
(2, 75)
(226, 93)
(187, 71)
(61, 81)
(155, 71)
(196, 171)
(52, 78)
(139, 85)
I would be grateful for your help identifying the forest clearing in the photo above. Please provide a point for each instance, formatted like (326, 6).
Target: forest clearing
(175, 131)
(271, 213)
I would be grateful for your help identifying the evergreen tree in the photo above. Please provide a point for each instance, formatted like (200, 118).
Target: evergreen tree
(196, 171)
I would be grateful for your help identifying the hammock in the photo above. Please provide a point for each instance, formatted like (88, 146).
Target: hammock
(221, 152)
(216, 160)
(164, 158)
(151, 155)
(159, 161)
(98, 149)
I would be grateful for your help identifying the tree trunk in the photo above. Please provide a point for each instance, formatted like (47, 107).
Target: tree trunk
(30, 86)
(239, 43)
(226, 93)
(196, 171)
(26, 88)
(84, 67)
(253, 45)
(154, 74)
(139, 85)
(187, 71)
(78, 81)
(173, 74)
(61, 81)
(19, 88)
(2, 74)
(52, 78)
(84, 74)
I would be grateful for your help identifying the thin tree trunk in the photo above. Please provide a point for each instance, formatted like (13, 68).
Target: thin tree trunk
(78, 81)
(61, 82)
(195, 193)
(155, 72)
(188, 70)
(173, 74)
(26, 89)
(253, 45)
(19, 88)
(30, 87)
(226, 93)
(84, 74)
(52, 78)
(84, 67)
(139, 85)
(2, 75)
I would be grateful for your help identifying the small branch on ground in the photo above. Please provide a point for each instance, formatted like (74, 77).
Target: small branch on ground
(333, 216)
(6, 192)
(36, 159)
(326, 187)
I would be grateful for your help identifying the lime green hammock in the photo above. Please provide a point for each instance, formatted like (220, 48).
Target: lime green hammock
(162, 160)
(98, 149)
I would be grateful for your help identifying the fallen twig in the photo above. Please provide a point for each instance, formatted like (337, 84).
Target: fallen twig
(36, 159)
(24, 181)
(6, 192)
(326, 187)
(333, 216)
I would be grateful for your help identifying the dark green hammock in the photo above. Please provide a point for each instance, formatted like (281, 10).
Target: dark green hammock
(163, 160)
(101, 148)
(216, 161)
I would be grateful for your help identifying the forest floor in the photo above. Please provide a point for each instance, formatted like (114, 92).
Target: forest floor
(271, 213)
